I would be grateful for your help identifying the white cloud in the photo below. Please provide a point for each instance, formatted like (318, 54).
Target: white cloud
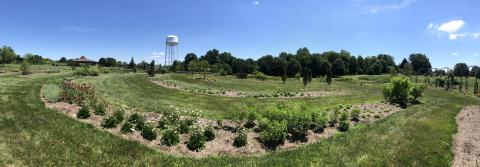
(455, 36)
(389, 7)
(256, 2)
(80, 28)
(451, 26)
(475, 54)
(475, 35)
(157, 54)
(455, 54)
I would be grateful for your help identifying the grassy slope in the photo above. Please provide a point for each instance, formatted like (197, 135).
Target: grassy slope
(136, 91)
(35, 136)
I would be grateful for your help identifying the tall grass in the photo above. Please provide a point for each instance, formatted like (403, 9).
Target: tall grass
(51, 92)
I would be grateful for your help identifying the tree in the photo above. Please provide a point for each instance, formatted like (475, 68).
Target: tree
(361, 65)
(193, 66)
(293, 67)
(461, 70)
(211, 56)
(25, 67)
(420, 64)
(375, 69)
(132, 65)
(34, 59)
(7, 55)
(62, 60)
(329, 77)
(353, 67)
(307, 75)
(188, 58)
(225, 57)
(284, 75)
(203, 66)
(151, 70)
(338, 67)
(325, 68)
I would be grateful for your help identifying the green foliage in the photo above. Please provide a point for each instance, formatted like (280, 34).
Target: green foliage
(274, 134)
(170, 137)
(87, 71)
(298, 123)
(241, 139)
(52, 92)
(168, 118)
(127, 128)
(355, 114)
(343, 126)
(140, 124)
(110, 122)
(196, 142)
(25, 67)
(184, 125)
(84, 112)
(209, 133)
(151, 70)
(319, 120)
(397, 91)
(416, 91)
(260, 76)
(148, 133)
(344, 116)
(134, 118)
(119, 114)
(100, 109)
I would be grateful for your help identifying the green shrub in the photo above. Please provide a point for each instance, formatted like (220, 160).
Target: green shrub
(110, 122)
(25, 67)
(416, 91)
(184, 125)
(343, 126)
(343, 116)
(332, 118)
(140, 124)
(298, 124)
(84, 112)
(148, 133)
(119, 115)
(355, 114)
(240, 139)
(134, 118)
(170, 137)
(196, 141)
(275, 134)
(397, 91)
(168, 118)
(250, 120)
(100, 109)
(127, 128)
(87, 71)
(209, 133)
(52, 93)
(260, 76)
(262, 124)
(319, 120)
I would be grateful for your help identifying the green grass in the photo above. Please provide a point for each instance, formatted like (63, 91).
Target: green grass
(51, 92)
(32, 135)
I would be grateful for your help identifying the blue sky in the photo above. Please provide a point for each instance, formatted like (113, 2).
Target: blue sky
(446, 31)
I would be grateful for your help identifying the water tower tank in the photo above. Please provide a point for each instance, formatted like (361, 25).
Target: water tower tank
(172, 40)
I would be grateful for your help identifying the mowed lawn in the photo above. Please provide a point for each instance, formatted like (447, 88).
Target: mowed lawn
(32, 135)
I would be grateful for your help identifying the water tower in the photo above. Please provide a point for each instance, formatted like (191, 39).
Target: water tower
(171, 49)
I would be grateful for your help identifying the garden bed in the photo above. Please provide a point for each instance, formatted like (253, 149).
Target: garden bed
(233, 93)
(223, 143)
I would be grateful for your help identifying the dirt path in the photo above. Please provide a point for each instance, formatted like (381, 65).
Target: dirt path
(467, 139)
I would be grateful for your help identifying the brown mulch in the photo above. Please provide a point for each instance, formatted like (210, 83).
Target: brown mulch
(467, 139)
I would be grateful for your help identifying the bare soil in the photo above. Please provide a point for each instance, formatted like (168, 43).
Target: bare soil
(467, 139)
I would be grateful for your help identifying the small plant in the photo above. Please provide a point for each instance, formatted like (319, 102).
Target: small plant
(241, 139)
(332, 118)
(119, 115)
(319, 121)
(197, 140)
(209, 133)
(110, 122)
(127, 128)
(343, 126)
(100, 110)
(343, 116)
(25, 67)
(250, 120)
(168, 118)
(134, 118)
(140, 123)
(275, 134)
(148, 133)
(184, 125)
(52, 93)
(84, 112)
(355, 114)
(170, 137)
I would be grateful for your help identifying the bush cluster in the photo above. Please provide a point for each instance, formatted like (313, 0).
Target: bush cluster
(127, 128)
(148, 133)
(84, 112)
(196, 141)
(209, 133)
(400, 91)
(170, 137)
(275, 134)
(110, 122)
(241, 139)
(87, 71)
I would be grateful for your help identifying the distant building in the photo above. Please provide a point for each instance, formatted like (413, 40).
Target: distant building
(84, 61)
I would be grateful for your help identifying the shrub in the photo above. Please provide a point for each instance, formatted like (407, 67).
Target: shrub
(148, 133)
(134, 118)
(332, 118)
(110, 122)
(119, 115)
(209, 133)
(343, 126)
(184, 125)
(25, 67)
(250, 123)
(100, 109)
(52, 93)
(80, 94)
(298, 124)
(196, 142)
(262, 124)
(170, 137)
(168, 118)
(84, 112)
(343, 116)
(127, 128)
(260, 76)
(318, 120)
(140, 124)
(87, 71)
(397, 91)
(240, 139)
(416, 91)
(275, 134)
(355, 114)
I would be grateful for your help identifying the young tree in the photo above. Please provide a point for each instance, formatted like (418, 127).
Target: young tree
(284, 74)
(132, 65)
(188, 58)
(62, 60)
(461, 70)
(193, 67)
(329, 77)
(293, 67)
(25, 67)
(307, 74)
(151, 70)
(338, 67)
(203, 66)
